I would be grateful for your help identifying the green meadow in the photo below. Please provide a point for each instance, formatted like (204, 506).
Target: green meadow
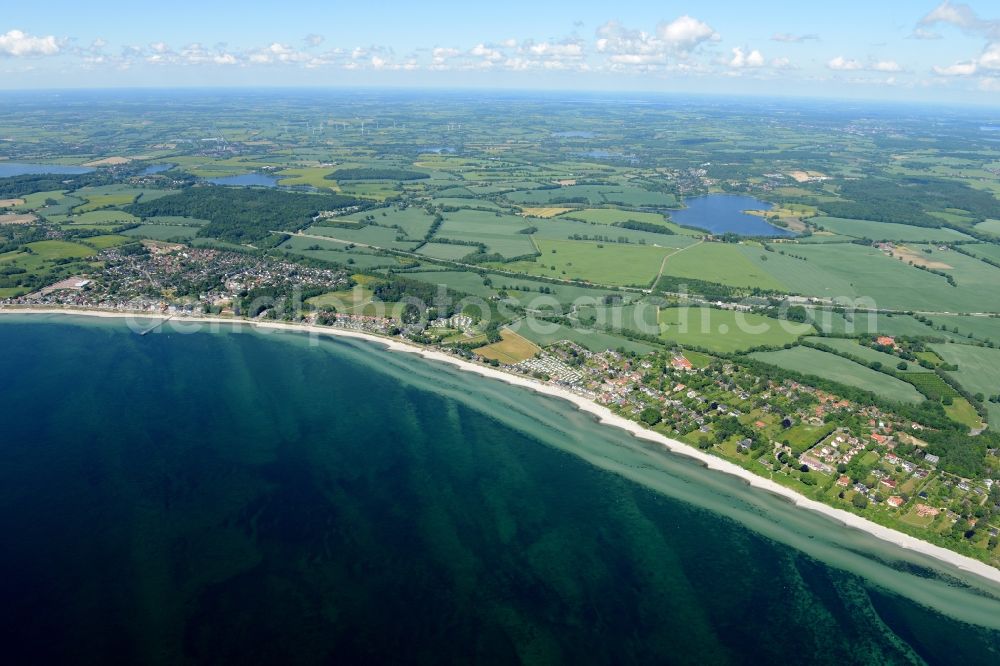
(829, 366)
(726, 330)
(599, 263)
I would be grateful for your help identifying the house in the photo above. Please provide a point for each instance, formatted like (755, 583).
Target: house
(895, 501)
(925, 511)
(932, 459)
(681, 363)
(889, 483)
(844, 481)
(885, 341)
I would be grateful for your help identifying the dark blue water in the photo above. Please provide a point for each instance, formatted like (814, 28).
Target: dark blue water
(156, 168)
(235, 497)
(8, 169)
(255, 179)
(723, 213)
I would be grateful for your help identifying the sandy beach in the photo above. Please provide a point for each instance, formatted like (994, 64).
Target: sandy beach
(603, 415)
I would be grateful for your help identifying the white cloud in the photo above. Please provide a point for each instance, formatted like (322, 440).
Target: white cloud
(924, 33)
(842, 64)
(793, 39)
(782, 63)
(987, 61)
(742, 59)
(20, 44)
(961, 16)
(625, 47)
(686, 33)
(990, 59)
(441, 54)
(313, 39)
(886, 66)
(958, 69)
(277, 52)
(565, 50)
(989, 84)
(615, 39)
(487, 53)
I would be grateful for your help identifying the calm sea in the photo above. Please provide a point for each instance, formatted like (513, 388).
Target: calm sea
(254, 498)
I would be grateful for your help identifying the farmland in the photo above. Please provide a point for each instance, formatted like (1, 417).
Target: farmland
(726, 330)
(610, 263)
(537, 233)
(512, 348)
(978, 371)
(886, 231)
(823, 364)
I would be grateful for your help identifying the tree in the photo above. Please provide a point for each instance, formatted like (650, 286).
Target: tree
(651, 416)
(859, 501)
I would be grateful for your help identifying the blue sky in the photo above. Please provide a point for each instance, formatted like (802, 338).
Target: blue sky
(912, 50)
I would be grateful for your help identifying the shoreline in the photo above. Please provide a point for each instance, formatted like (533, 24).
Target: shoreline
(602, 414)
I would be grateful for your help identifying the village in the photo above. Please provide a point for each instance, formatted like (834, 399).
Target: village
(858, 456)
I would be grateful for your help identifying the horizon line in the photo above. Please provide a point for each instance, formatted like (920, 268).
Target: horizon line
(546, 92)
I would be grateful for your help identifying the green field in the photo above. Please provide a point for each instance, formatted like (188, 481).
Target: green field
(611, 216)
(978, 371)
(563, 228)
(545, 333)
(886, 231)
(829, 366)
(162, 231)
(989, 226)
(963, 412)
(106, 241)
(854, 271)
(864, 354)
(378, 191)
(870, 323)
(348, 301)
(607, 263)
(499, 232)
(931, 385)
(311, 176)
(110, 216)
(803, 436)
(989, 251)
(525, 291)
(45, 262)
(54, 250)
(414, 221)
(446, 251)
(723, 263)
(726, 330)
(370, 235)
(593, 195)
(337, 253)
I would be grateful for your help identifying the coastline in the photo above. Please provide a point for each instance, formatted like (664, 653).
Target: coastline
(602, 414)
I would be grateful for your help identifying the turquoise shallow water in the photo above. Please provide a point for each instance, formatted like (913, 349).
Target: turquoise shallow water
(240, 496)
